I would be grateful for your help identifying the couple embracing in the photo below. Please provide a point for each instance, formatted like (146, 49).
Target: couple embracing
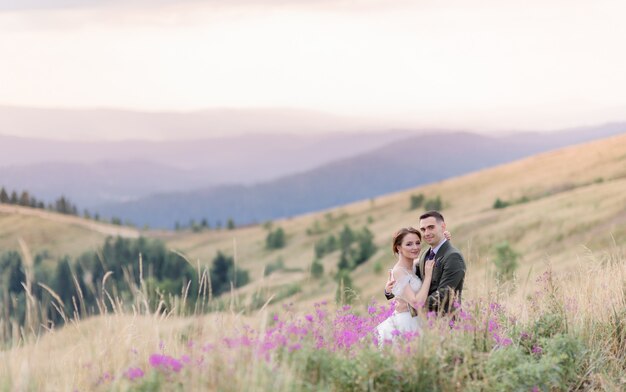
(430, 282)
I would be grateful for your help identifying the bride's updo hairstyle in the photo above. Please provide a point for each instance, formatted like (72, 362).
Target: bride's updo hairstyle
(399, 236)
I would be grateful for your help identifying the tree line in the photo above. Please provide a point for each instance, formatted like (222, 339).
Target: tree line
(93, 282)
(25, 199)
(62, 205)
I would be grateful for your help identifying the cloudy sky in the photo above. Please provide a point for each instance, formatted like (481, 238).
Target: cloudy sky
(478, 64)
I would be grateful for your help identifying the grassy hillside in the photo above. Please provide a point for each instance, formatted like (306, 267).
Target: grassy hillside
(53, 234)
(576, 206)
(560, 325)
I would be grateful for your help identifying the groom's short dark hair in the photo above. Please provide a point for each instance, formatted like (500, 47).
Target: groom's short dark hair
(433, 214)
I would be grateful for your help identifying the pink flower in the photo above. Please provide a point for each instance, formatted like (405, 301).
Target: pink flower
(134, 373)
(493, 325)
(502, 341)
(165, 363)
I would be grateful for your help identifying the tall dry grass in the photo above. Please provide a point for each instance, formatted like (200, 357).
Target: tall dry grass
(561, 331)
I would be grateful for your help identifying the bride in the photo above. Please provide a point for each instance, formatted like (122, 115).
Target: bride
(409, 290)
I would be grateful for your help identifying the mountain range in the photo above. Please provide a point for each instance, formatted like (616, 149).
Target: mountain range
(94, 173)
(398, 165)
(221, 167)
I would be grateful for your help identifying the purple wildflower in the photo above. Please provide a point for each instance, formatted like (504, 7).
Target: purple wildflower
(134, 373)
(493, 325)
(502, 341)
(165, 363)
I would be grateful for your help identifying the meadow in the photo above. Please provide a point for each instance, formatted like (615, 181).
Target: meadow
(568, 334)
(557, 324)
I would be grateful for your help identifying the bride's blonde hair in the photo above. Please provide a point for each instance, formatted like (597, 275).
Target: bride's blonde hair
(399, 236)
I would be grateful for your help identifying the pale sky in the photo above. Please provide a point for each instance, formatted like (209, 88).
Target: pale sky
(475, 64)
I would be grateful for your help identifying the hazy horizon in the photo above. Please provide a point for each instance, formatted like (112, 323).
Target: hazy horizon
(479, 65)
(113, 125)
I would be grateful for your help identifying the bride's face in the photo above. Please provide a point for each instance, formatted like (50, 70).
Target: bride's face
(410, 246)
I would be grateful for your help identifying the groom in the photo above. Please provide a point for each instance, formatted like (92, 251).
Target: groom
(449, 272)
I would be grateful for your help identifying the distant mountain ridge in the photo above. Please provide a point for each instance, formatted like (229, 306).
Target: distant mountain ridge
(119, 124)
(92, 173)
(399, 165)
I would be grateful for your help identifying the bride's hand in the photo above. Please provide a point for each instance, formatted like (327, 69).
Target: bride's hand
(390, 282)
(447, 235)
(428, 267)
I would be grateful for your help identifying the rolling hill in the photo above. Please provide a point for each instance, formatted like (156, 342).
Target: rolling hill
(567, 213)
(399, 165)
(52, 234)
(575, 207)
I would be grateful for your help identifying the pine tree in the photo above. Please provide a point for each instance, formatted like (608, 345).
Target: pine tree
(4, 197)
(24, 199)
(346, 237)
(230, 225)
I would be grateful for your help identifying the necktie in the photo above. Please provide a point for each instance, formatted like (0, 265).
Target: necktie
(431, 255)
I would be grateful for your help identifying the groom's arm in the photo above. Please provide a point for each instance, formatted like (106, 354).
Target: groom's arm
(453, 274)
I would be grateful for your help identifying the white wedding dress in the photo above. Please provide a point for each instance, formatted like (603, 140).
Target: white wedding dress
(400, 322)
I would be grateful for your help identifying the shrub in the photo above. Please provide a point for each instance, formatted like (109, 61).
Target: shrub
(223, 272)
(416, 201)
(565, 351)
(505, 261)
(317, 269)
(500, 204)
(549, 324)
(434, 204)
(275, 239)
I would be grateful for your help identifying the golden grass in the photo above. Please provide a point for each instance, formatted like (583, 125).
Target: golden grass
(82, 354)
(55, 233)
(573, 210)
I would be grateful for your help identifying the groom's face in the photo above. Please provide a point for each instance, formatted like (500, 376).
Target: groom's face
(432, 230)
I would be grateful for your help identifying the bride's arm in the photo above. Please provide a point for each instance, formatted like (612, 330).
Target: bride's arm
(417, 300)
(398, 277)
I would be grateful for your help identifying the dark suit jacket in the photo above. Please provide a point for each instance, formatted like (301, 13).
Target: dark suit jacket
(448, 277)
